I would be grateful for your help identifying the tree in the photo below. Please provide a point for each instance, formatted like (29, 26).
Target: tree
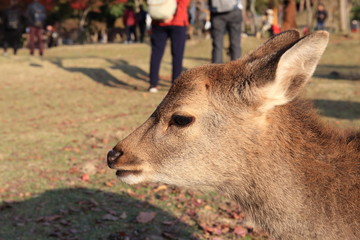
(289, 21)
(344, 16)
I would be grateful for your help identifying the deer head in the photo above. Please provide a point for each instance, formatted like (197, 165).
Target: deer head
(212, 125)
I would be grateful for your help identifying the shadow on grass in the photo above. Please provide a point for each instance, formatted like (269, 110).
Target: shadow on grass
(97, 74)
(338, 72)
(132, 71)
(102, 76)
(81, 213)
(338, 109)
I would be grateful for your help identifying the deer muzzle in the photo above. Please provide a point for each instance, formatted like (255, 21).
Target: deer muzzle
(113, 157)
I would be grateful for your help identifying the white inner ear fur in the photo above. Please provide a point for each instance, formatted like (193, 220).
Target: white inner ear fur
(297, 63)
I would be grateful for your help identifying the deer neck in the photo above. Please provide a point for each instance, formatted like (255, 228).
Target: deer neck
(289, 156)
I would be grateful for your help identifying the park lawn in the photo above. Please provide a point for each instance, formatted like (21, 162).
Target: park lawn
(61, 114)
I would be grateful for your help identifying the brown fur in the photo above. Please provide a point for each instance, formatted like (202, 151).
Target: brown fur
(254, 139)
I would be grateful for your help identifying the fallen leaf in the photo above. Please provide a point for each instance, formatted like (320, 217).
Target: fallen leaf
(207, 229)
(109, 217)
(169, 235)
(95, 203)
(207, 207)
(108, 184)
(73, 170)
(160, 188)
(145, 217)
(241, 231)
(169, 222)
(85, 177)
(48, 218)
(123, 215)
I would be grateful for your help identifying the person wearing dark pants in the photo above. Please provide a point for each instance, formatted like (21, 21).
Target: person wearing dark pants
(225, 19)
(177, 35)
(12, 19)
(175, 29)
(141, 22)
(11, 38)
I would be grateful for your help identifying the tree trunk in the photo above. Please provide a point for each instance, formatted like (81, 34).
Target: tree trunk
(309, 14)
(253, 12)
(301, 5)
(344, 16)
(289, 15)
(82, 24)
(244, 15)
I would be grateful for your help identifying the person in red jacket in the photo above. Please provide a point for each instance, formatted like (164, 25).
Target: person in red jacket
(130, 23)
(175, 29)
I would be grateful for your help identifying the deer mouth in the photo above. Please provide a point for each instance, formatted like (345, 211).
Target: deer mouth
(125, 173)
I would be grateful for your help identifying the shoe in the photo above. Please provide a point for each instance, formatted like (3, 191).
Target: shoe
(153, 89)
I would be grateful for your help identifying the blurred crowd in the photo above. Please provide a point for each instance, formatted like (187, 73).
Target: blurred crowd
(133, 26)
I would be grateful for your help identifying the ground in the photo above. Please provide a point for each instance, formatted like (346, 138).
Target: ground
(60, 114)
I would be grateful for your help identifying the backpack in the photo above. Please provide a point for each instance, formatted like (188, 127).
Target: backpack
(221, 6)
(12, 19)
(161, 9)
(38, 15)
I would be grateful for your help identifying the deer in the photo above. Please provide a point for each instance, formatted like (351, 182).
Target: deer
(243, 129)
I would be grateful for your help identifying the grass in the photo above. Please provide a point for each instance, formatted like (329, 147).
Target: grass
(60, 114)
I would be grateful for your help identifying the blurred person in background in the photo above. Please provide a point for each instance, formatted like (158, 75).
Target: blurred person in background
(141, 22)
(175, 29)
(321, 15)
(52, 36)
(12, 22)
(226, 15)
(130, 24)
(36, 16)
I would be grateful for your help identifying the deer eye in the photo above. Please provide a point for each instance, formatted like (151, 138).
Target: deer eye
(181, 121)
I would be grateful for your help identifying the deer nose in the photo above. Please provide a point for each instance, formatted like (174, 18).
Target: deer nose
(112, 157)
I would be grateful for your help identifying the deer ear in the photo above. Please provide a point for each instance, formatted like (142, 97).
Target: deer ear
(294, 69)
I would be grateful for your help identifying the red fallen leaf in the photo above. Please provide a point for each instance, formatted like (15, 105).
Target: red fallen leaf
(73, 170)
(237, 216)
(191, 212)
(145, 217)
(85, 177)
(207, 229)
(241, 231)
(218, 231)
